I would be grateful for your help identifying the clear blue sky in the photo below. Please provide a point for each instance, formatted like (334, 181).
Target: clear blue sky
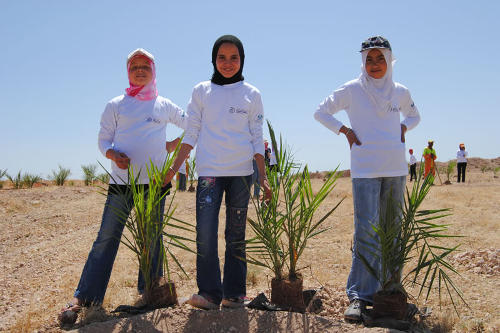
(62, 61)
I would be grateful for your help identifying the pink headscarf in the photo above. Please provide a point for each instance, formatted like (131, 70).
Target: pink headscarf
(149, 91)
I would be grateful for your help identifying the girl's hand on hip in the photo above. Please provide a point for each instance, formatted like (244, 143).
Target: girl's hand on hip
(403, 131)
(351, 136)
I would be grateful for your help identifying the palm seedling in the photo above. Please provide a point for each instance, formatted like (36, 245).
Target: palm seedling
(405, 234)
(89, 173)
(60, 176)
(30, 179)
(284, 225)
(191, 170)
(148, 227)
(17, 180)
(2, 174)
(449, 168)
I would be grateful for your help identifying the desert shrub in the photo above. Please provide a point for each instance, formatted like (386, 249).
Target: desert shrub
(89, 175)
(449, 168)
(495, 171)
(30, 179)
(103, 178)
(484, 168)
(17, 180)
(2, 173)
(60, 176)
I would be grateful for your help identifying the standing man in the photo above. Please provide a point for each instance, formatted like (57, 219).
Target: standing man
(413, 165)
(429, 156)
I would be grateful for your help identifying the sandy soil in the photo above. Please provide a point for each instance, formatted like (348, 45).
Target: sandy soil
(47, 232)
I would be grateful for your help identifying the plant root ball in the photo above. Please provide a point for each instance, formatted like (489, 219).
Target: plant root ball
(67, 317)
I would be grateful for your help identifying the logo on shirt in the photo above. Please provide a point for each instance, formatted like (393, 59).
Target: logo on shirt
(259, 119)
(395, 109)
(412, 105)
(153, 120)
(240, 111)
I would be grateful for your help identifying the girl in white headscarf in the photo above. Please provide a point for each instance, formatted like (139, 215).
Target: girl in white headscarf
(373, 103)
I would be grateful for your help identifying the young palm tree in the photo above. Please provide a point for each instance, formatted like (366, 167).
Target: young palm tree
(285, 224)
(406, 233)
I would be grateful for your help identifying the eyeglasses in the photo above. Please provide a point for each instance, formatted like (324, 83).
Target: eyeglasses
(375, 42)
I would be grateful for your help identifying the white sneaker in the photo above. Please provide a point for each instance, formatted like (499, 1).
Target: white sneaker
(201, 302)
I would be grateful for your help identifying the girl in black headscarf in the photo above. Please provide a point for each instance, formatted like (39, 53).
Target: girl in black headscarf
(225, 121)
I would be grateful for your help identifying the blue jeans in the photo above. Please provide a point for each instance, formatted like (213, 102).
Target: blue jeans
(97, 270)
(208, 201)
(369, 196)
(255, 180)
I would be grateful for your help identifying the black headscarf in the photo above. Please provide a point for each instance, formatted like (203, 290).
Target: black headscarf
(217, 77)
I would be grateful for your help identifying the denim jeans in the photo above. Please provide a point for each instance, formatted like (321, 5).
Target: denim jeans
(97, 270)
(208, 201)
(255, 180)
(369, 196)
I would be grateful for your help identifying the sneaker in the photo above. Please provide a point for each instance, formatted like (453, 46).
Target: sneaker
(355, 309)
(236, 302)
(202, 302)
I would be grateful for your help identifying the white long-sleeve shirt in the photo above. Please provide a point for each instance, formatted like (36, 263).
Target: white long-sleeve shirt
(381, 154)
(413, 159)
(138, 129)
(226, 123)
(462, 156)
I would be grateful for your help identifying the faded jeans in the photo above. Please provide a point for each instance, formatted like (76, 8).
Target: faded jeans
(369, 195)
(209, 194)
(97, 270)
(255, 180)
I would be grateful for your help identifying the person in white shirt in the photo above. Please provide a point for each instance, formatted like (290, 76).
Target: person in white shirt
(225, 122)
(413, 165)
(373, 103)
(461, 162)
(133, 132)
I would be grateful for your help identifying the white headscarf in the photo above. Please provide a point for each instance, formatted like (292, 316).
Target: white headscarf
(380, 91)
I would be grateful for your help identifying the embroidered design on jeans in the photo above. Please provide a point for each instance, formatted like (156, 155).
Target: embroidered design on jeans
(206, 189)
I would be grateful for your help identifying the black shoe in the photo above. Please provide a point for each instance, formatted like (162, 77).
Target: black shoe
(355, 309)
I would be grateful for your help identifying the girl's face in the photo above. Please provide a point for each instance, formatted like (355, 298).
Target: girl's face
(140, 72)
(228, 60)
(376, 66)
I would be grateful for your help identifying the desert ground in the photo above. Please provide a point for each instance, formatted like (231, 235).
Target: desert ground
(48, 230)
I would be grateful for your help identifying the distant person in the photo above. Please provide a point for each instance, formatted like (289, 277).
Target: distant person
(413, 165)
(182, 177)
(373, 103)
(225, 122)
(429, 155)
(273, 162)
(461, 162)
(267, 156)
(133, 132)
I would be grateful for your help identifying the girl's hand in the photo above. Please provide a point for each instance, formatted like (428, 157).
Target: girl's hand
(121, 160)
(403, 131)
(351, 136)
(168, 177)
(268, 194)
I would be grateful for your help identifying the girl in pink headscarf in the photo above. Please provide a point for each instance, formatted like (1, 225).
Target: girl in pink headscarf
(133, 132)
